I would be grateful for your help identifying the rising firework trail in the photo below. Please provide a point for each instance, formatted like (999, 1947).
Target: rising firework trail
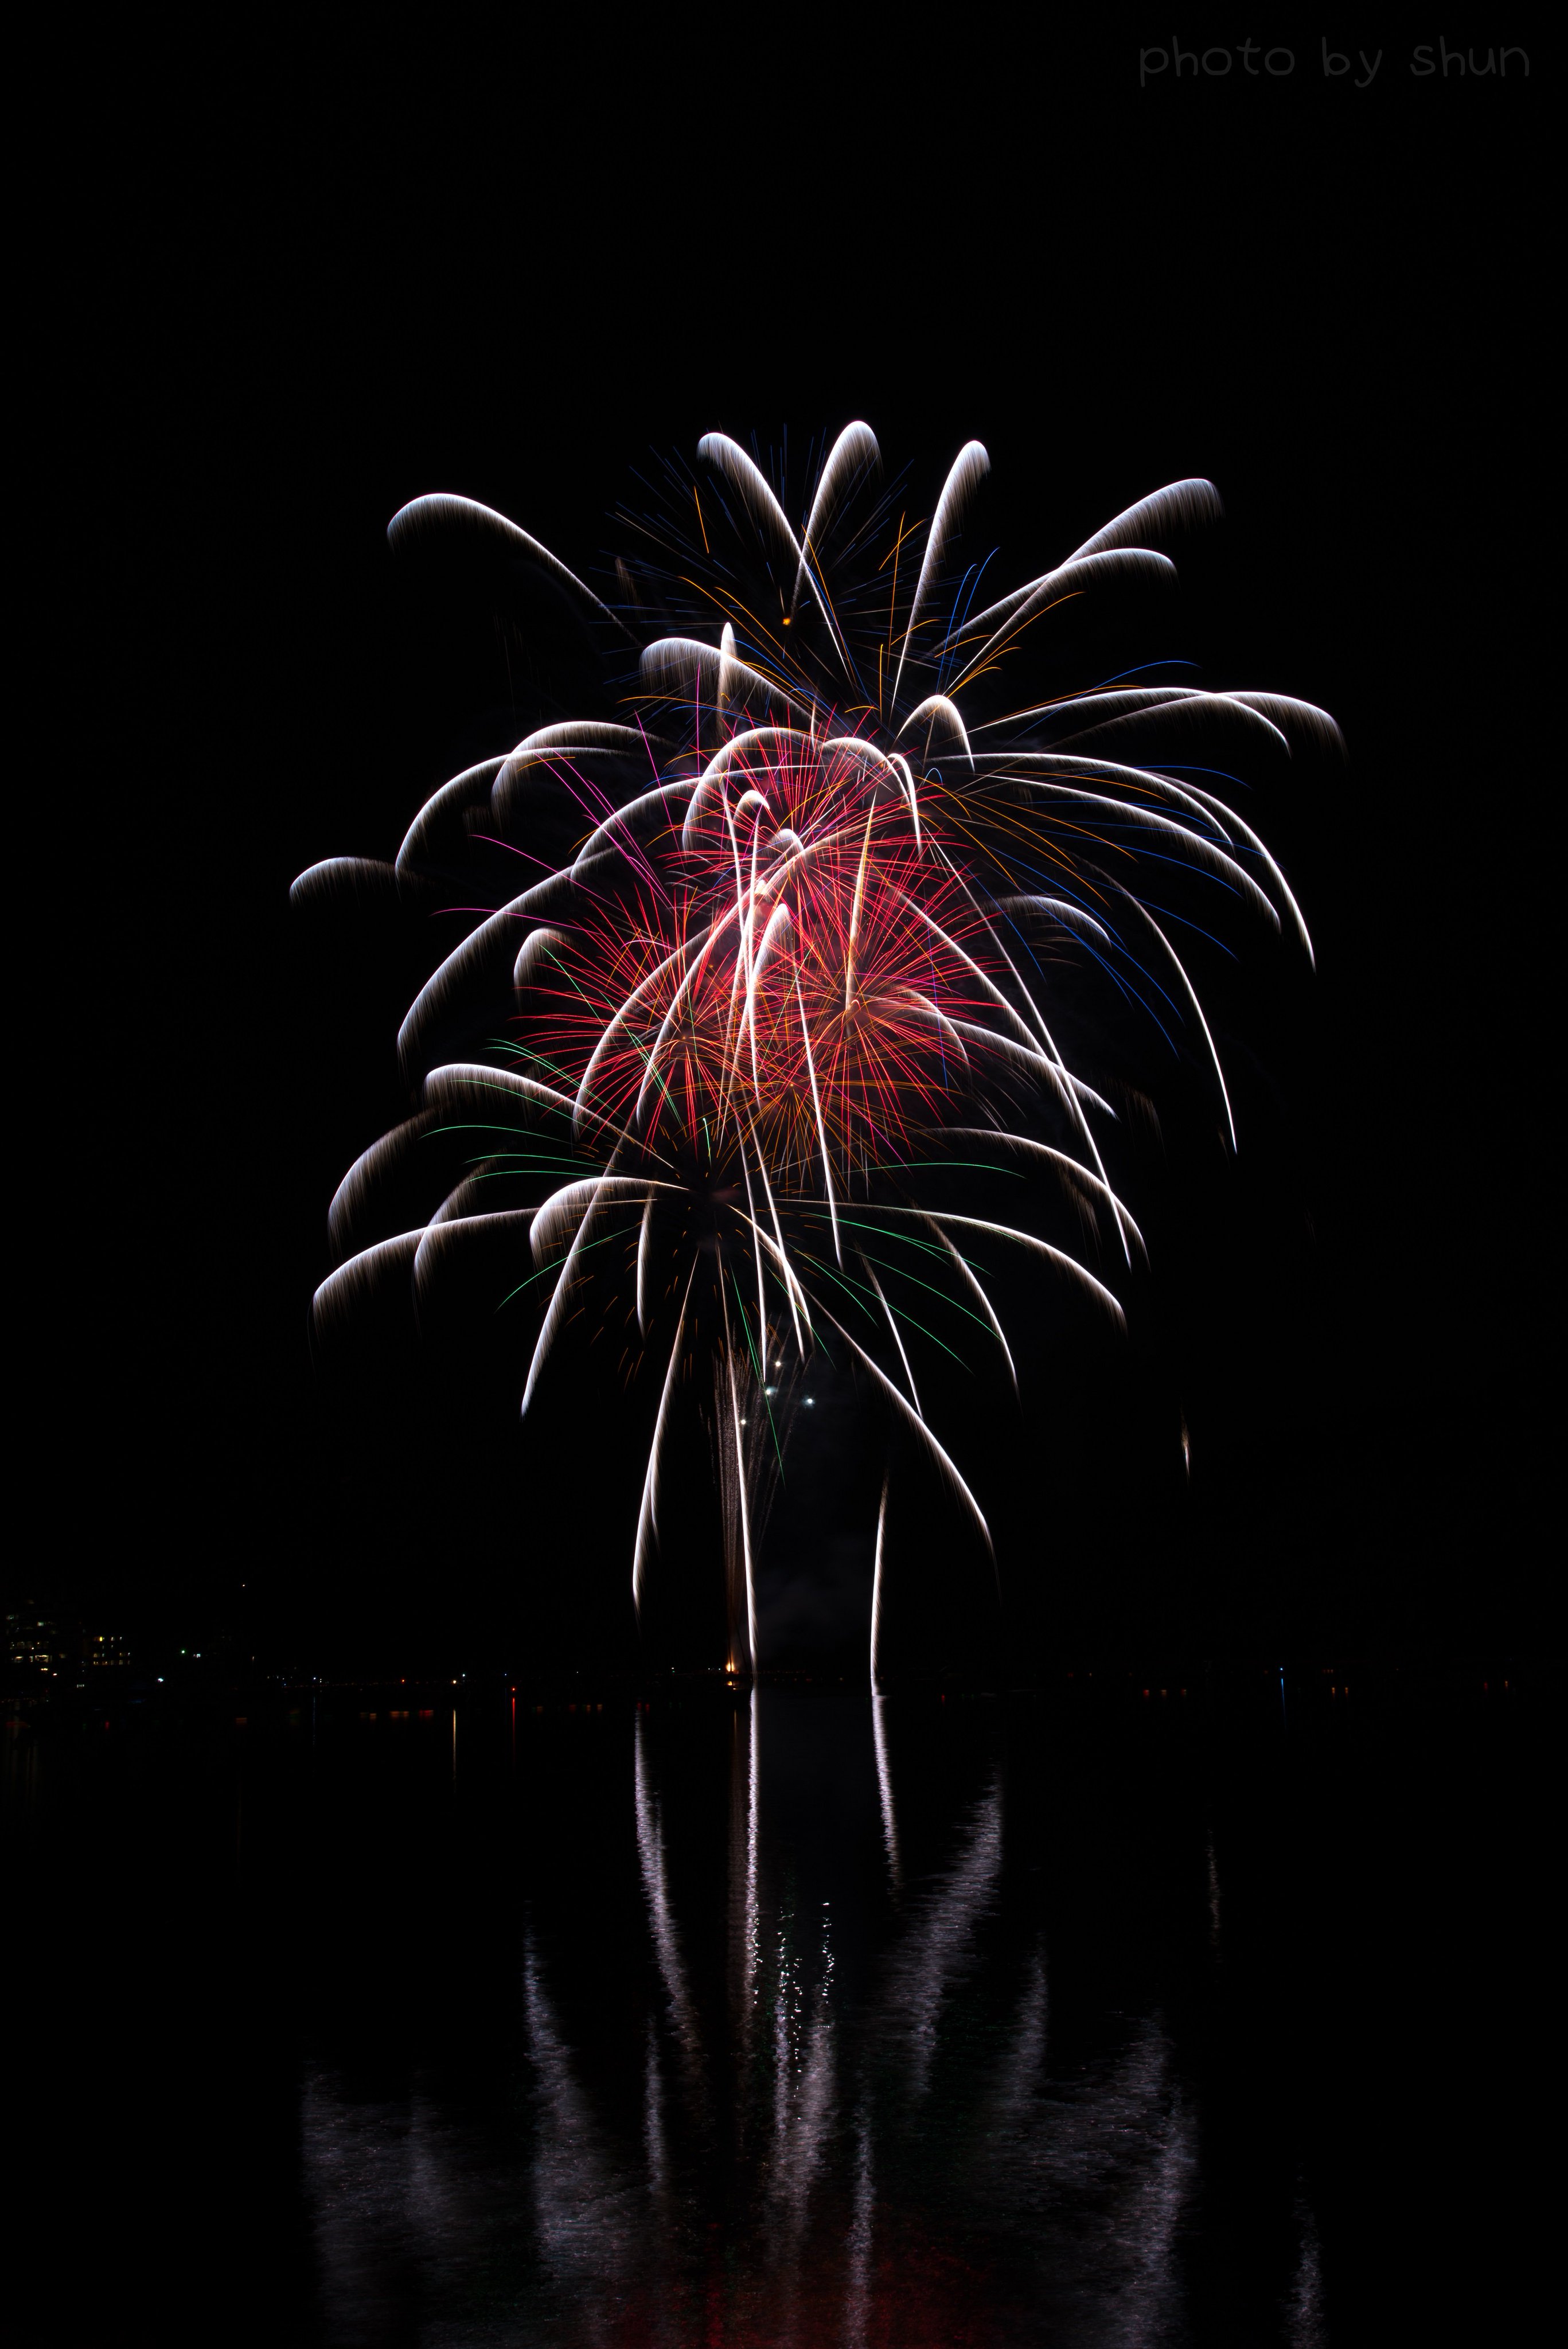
(785, 998)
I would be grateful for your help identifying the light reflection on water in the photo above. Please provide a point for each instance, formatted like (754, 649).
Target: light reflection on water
(1069, 2017)
(811, 2099)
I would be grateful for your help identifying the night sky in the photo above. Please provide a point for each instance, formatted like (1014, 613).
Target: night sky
(338, 284)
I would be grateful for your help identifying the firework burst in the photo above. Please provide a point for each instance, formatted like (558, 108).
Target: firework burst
(810, 910)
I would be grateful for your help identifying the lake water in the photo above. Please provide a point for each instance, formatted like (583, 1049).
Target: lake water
(1143, 2009)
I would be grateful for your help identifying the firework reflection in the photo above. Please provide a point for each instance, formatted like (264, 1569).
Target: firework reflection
(821, 2108)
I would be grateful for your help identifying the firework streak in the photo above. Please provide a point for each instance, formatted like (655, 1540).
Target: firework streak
(817, 897)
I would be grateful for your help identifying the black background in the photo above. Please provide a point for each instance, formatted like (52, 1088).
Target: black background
(271, 286)
(286, 288)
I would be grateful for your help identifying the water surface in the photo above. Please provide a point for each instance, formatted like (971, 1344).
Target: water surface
(791, 2016)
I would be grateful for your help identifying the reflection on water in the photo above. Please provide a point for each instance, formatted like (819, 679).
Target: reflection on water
(819, 2107)
(359, 2019)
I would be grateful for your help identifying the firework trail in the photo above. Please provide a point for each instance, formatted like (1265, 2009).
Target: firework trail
(808, 917)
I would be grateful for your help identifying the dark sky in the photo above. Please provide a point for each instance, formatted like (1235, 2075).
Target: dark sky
(276, 314)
